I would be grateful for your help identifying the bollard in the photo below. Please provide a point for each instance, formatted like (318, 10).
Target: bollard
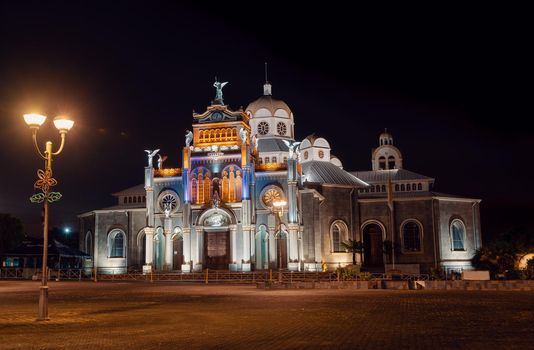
(270, 275)
(151, 276)
(206, 277)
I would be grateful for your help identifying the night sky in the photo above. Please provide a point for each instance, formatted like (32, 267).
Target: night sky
(453, 85)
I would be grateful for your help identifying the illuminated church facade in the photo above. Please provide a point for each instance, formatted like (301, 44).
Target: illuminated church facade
(249, 197)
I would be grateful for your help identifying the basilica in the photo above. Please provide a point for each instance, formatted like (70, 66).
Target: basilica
(248, 197)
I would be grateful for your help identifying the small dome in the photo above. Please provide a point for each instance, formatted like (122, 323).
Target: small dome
(277, 108)
(385, 138)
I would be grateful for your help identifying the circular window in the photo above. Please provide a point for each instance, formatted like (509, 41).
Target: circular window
(321, 154)
(168, 200)
(281, 128)
(272, 194)
(263, 128)
(306, 155)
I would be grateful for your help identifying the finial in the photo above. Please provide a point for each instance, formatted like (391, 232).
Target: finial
(267, 88)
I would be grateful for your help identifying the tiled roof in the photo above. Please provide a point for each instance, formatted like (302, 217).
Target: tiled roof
(384, 175)
(134, 190)
(267, 101)
(328, 173)
(272, 145)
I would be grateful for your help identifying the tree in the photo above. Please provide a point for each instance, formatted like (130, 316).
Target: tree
(11, 232)
(501, 255)
(353, 247)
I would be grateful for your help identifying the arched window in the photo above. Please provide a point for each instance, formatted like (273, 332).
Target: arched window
(408, 187)
(403, 188)
(391, 162)
(419, 187)
(338, 234)
(411, 236)
(144, 199)
(267, 160)
(372, 188)
(274, 160)
(383, 188)
(413, 187)
(116, 244)
(125, 200)
(396, 187)
(138, 199)
(382, 163)
(260, 160)
(457, 235)
(129, 199)
(135, 199)
(285, 160)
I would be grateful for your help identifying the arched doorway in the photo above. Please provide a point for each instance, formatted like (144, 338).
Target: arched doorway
(281, 249)
(177, 249)
(159, 249)
(373, 253)
(216, 224)
(262, 250)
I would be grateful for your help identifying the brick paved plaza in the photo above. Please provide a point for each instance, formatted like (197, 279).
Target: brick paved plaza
(86, 315)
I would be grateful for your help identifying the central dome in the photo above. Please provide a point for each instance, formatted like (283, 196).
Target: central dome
(267, 103)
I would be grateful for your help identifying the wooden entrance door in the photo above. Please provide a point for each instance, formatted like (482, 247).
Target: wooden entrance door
(281, 253)
(216, 249)
(177, 254)
(373, 253)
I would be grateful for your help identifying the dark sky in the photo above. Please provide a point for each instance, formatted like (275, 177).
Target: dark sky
(453, 85)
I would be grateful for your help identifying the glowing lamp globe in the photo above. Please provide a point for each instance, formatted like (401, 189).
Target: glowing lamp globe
(34, 120)
(279, 203)
(63, 123)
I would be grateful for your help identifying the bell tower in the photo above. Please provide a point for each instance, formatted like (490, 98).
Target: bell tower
(386, 156)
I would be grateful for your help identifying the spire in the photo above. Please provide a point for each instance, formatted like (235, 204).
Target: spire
(267, 88)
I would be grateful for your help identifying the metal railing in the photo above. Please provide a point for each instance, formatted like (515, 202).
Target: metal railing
(35, 274)
(207, 276)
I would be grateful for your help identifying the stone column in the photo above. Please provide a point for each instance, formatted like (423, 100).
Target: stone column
(168, 243)
(186, 266)
(293, 264)
(233, 247)
(246, 249)
(149, 249)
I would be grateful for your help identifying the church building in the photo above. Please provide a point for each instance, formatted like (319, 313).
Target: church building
(248, 197)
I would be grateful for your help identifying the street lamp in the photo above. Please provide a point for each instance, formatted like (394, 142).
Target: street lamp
(278, 209)
(44, 183)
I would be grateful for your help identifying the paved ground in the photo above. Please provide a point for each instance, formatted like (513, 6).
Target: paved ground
(86, 315)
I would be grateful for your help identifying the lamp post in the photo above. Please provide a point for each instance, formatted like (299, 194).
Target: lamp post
(44, 183)
(278, 210)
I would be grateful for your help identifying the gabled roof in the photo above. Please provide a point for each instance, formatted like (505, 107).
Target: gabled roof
(134, 190)
(272, 145)
(385, 175)
(34, 247)
(328, 173)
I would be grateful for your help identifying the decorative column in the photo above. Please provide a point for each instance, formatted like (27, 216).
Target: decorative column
(233, 248)
(186, 266)
(293, 264)
(168, 243)
(271, 245)
(292, 214)
(149, 249)
(149, 229)
(245, 266)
